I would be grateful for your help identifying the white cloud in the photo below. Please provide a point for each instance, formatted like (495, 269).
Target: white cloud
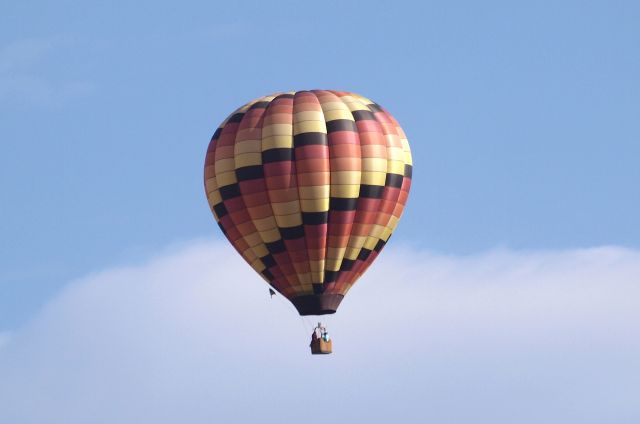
(192, 336)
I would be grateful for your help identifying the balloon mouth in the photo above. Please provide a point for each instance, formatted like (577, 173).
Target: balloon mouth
(317, 304)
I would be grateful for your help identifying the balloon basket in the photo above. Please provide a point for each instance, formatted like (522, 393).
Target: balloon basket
(320, 347)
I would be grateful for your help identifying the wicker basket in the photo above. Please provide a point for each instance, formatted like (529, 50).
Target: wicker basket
(320, 347)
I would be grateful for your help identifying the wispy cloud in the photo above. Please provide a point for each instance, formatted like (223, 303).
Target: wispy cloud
(192, 336)
(24, 76)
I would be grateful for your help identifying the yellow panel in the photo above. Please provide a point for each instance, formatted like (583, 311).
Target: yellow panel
(395, 153)
(249, 256)
(226, 178)
(333, 264)
(407, 151)
(335, 254)
(405, 144)
(253, 240)
(371, 243)
(314, 192)
(254, 249)
(331, 115)
(337, 105)
(345, 190)
(374, 178)
(316, 266)
(309, 126)
(258, 265)
(315, 205)
(352, 253)
(249, 159)
(345, 177)
(211, 183)
(247, 146)
(353, 103)
(261, 250)
(214, 197)
(277, 129)
(308, 115)
(305, 279)
(291, 220)
(277, 142)
(270, 235)
(264, 224)
(407, 158)
(285, 208)
(395, 167)
(374, 164)
(362, 99)
(223, 165)
(356, 242)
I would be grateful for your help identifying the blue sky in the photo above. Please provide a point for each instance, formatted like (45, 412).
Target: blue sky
(522, 118)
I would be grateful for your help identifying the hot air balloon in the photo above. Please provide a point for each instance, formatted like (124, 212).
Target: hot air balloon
(308, 186)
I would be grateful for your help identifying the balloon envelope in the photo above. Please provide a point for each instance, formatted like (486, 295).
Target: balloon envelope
(308, 187)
